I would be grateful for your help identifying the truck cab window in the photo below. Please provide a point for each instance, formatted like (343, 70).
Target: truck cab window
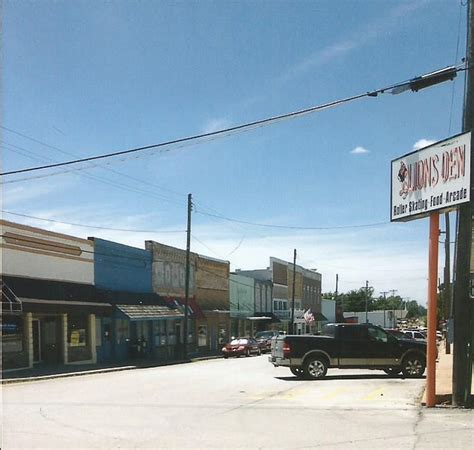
(376, 334)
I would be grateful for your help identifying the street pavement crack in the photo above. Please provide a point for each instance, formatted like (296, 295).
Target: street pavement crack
(419, 418)
(266, 397)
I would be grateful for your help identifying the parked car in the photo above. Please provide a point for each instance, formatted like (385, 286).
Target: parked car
(417, 335)
(241, 346)
(349, 346)
(397, 333)
(264, 339)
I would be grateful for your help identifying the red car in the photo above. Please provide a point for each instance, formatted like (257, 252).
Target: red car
(241, 346)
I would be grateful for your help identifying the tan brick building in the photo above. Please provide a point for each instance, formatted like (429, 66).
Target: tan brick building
(212, 296)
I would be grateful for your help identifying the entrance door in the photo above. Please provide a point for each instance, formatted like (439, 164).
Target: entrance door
(36, 340)
(179, 344)
(104, 339)
(50, 348)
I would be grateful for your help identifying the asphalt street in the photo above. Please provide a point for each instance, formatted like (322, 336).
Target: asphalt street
(234, 403)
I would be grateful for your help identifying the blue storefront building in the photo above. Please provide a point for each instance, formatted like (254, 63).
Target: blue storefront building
(143, 325)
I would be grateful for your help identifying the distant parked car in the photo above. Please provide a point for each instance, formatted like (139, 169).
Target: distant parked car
(241, 346)
(417, 335)
(397, 333)
(264, 339)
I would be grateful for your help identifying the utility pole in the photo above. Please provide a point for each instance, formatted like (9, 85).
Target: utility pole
(393, 296)
(336, 299)
(384, 293)
(186, 282)
(292, 324)
(462, 356)
(447, 278)
(366, 302)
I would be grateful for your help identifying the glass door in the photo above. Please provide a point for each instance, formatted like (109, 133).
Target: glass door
(36, 341)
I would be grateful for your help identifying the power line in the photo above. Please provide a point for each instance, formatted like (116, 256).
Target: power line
(292, 227)
(113, 183)
(89, 226)
(45, 144)
(242, 127)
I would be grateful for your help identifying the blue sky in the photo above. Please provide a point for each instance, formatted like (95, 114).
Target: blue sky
(94, 77)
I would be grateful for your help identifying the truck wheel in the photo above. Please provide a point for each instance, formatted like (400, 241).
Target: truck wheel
(413, 366)
(315, 367)
(297, 371)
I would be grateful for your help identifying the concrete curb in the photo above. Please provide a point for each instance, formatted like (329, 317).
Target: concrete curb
(104, 370)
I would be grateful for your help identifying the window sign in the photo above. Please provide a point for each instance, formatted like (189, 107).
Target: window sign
(12, 334)
(76, 330)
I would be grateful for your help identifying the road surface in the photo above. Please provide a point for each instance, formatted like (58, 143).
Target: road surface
(234, 403)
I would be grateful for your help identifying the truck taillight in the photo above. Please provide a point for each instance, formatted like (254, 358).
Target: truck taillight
(286, 349)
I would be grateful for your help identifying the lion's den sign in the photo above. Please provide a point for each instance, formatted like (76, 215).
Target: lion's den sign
(432, 178)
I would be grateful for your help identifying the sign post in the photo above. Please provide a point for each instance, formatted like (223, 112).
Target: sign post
(433, 179)
(432, 310)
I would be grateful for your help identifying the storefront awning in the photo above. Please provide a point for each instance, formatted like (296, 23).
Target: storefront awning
(264, 317)
(36, 305)
(148, 312)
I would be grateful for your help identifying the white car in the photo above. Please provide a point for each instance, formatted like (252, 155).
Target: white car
(417, 335)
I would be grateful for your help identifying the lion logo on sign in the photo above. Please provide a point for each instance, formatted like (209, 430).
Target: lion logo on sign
(402, 175)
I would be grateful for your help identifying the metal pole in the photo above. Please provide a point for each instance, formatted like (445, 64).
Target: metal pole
(366, 302)
(462, 302)
(432, 310)
(293, 295)
(447, 278)
(186, 282)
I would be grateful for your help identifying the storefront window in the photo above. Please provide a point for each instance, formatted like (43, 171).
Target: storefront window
(123, 331)
(222, 334)
(77, 330)
(202, 335)
(171, 333)
(12, 334)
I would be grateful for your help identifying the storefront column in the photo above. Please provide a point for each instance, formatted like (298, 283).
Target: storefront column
(64, 337)
(29, 337)
(92, 338)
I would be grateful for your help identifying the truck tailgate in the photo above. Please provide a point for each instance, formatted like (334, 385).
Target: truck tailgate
(277, 346)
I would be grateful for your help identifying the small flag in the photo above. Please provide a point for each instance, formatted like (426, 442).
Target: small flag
(308, 316)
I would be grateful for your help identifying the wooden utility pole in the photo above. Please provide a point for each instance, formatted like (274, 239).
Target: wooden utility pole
(186, 282)
(292, 324)
(462, 351)
(366, 302)
(384, 293)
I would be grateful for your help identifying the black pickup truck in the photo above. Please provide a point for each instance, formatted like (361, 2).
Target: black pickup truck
(349, 346)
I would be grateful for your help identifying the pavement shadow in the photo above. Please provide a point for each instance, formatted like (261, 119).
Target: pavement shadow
(349, 377)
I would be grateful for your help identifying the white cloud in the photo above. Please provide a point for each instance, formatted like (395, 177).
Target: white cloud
(359, 150)
(37, 190)
(216, 125)
(370, 33)
(422, 143)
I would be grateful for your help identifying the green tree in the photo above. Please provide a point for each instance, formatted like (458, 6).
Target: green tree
(354, 301)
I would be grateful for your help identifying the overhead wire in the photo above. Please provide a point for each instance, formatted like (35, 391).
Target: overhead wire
(58, 149)
(293, 227)
(226, 131)
(113, 183)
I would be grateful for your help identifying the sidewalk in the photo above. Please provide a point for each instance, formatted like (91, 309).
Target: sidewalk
(51, 372)
(444, 378)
